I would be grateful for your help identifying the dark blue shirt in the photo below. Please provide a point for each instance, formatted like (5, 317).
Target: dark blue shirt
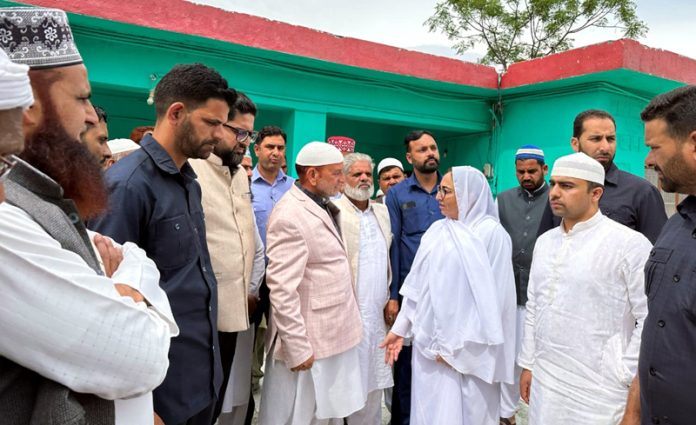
(411, 210)
(627, 199)
(159, 208)
(668, 346)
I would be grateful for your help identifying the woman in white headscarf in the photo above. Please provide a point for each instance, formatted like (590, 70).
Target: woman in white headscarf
(459, 309)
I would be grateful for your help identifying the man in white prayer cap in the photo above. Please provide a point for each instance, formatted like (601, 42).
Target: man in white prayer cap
(586, 305)
(121, 148)
(15, 98)
(390, 172)
(315, 324)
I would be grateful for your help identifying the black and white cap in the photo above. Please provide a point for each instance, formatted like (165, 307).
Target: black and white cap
(38, 37)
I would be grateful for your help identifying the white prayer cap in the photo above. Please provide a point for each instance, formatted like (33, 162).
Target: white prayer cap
(15, 88)
(122, 145)
(316, 154)
(389, 162)
(579, 166)
(247, 154)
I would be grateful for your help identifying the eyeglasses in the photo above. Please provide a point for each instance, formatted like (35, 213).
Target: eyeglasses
(242, 134)
(444, 190)
(6, 164)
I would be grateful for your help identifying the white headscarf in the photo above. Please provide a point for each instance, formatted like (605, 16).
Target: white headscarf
(474, 197)
(458, 312)
(15, 89)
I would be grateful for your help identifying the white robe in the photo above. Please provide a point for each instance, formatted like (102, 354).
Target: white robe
(459, 303)
(584, 320)
(65, 322)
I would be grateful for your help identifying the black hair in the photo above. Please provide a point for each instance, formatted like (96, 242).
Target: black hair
(415, 135)
(101, 113)
(677, 108)
(586, 115)
(192, 84)
(270, 130)
(243, 105)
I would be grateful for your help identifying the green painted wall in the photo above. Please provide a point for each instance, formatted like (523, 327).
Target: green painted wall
(312, 99)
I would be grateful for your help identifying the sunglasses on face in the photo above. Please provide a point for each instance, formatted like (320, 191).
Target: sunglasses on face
(242, 134)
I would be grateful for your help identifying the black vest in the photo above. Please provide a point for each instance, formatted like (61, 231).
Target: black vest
(25, 396)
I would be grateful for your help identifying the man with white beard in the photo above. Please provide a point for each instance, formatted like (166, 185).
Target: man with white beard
(367, 234)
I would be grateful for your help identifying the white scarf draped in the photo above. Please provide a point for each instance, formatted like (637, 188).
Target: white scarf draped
(463, 317)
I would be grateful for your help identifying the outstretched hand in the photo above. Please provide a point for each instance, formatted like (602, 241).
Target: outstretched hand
(392, 345)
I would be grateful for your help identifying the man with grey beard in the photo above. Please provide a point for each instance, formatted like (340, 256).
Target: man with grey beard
(367, 234)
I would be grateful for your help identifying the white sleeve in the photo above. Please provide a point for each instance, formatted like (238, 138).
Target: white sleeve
(258, 269)
(404, 320)
(634, 277)
(59, 318)
(525, 358)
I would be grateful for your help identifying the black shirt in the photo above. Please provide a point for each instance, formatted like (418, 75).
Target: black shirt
(627, 199)
(158, 207)
(667, 365)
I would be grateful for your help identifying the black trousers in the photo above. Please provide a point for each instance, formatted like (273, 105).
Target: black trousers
(401, 395)
(204, 417)
(227, 343)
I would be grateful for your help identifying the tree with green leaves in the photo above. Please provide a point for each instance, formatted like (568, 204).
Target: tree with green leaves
(516, 30)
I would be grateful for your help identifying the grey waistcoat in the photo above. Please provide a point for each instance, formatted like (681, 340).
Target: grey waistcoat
(520, 215)
(25, 396)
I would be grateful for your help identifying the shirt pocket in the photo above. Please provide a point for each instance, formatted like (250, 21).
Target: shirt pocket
(414, 220)
(655, 270)
(174, 245)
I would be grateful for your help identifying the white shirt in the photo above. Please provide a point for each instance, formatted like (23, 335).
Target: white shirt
(59, 318)
(584, 320)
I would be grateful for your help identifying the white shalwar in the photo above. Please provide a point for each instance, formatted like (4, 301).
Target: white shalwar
(372, 294)
(61, 319)
(459, 303)
(322, 395)
(584, 320)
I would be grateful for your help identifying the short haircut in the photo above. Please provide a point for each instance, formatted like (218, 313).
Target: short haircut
(101, 114)
(352, 158)
(193, 85)
(270, 130)
(415, 135)
(583, 116)
(243, 105)
(301, 170)
(677, 108)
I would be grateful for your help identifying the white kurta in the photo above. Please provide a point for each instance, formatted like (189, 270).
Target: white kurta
(65, 322)
(372, 295)
(584, 320)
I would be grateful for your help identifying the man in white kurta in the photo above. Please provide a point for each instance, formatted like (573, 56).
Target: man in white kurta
(366, 231)
(586, 306)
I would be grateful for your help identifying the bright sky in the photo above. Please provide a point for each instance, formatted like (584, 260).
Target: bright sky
(400, 22)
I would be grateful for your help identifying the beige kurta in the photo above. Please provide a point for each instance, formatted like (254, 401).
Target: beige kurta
(229, 224)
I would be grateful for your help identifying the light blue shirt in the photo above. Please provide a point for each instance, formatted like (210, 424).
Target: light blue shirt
(266, 195)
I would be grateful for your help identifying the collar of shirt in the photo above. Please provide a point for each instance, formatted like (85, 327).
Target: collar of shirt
(162, 159)
(413, 182)
(612, 175)
(537, 192)
(320, 200)
(355, 208)
(35, 181)
(255, 176)
(583, 225)
(687, 208)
